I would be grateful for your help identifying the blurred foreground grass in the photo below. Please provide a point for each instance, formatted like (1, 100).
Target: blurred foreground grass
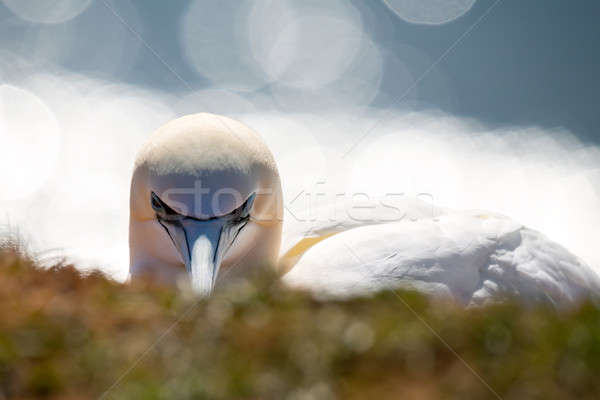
(68, 336)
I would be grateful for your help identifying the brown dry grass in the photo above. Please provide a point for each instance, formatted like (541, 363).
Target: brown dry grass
(68, 336)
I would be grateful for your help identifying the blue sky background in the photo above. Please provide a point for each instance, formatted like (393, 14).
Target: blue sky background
(530, 62)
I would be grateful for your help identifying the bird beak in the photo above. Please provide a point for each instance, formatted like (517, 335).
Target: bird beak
(205, 253)
(201, 245)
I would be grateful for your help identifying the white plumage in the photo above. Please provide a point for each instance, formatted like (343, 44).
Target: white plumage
(471, 257)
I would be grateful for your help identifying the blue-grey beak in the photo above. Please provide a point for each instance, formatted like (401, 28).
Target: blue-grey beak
(202, 243)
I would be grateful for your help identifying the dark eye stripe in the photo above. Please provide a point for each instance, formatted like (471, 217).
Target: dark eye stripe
(163, 211)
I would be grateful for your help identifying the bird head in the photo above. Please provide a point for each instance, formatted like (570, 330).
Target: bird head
(205, 202)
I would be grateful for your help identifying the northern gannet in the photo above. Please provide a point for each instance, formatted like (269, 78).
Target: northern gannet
(206, 201)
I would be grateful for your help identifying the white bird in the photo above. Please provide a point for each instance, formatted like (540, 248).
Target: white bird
(206, 201)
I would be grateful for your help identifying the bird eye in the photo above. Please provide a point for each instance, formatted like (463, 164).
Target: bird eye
(243, 212)
(156, 203)
(162, 210)
(248, 206)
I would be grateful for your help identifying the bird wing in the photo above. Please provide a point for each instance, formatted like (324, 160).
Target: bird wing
(472, 257)
(302, 230)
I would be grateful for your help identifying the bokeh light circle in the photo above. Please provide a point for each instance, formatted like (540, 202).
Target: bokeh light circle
(246, 45)
(313, 51)
(305, 44)
(95, 42)
(213, 40)
(315, 54)
(358, 85)
(429, 12)
(30, 137)
(47, 11)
